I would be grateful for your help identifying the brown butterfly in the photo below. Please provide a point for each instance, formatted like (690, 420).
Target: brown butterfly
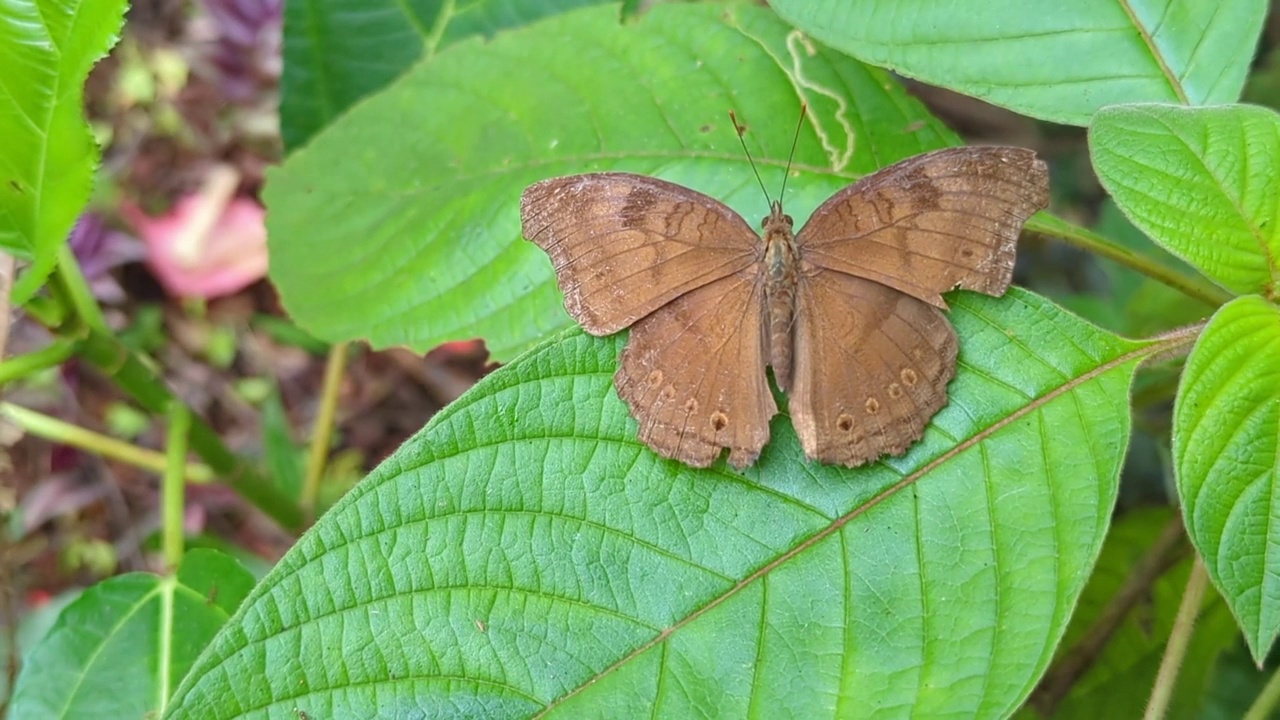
(847, 312)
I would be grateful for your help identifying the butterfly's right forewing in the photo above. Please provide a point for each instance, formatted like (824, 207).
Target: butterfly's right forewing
(932, 223)
(625, 245)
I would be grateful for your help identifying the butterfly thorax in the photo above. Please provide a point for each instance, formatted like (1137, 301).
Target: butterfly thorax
(781, 258)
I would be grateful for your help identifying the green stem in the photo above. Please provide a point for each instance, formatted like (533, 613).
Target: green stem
(443, 19)
(1184, 283)
(1169, 548)
(1266, 702)
(148, 390)
(59, 431)
(1179, 637)
(27, 365)
(110, 356)
(322, 432)
(75, 289)
(46, 311)
(174, 488)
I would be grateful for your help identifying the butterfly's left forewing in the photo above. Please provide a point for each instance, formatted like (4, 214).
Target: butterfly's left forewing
(624, 245)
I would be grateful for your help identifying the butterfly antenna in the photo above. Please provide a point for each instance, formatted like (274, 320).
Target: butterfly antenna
(795, 140)
(742, 131)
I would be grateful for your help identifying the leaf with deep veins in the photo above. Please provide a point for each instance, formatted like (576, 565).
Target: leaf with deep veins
(416, 240)
(121, 648)
(525, 555)
(48, 156)
(1202, 182)
(1226, 448)
(1054, 61)
(338, 51)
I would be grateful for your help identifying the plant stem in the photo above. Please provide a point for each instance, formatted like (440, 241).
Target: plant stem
(173, 493)
(443, 20)
(1189, 285)
(50, 428)
(75, 289)
(111, 357)
(1265, 703)
(23, 366)
(1168, 549)
(322, 432)
(46, 311)
(1179, 637)
(128, 369)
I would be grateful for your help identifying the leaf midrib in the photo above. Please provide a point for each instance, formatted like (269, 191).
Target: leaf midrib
(1175, 84)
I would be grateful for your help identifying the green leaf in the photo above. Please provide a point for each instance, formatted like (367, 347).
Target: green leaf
(284, 459)
(1131, 656)
(1202, 182)
(33, 623)
(121, 647)
(1054, 61)
(46, 169)
(416, 239)
(1226, 447)
(525, 554)
(338, 51)
(1236, 685)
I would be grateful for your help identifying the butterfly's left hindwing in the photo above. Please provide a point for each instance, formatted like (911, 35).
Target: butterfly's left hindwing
(693, 374)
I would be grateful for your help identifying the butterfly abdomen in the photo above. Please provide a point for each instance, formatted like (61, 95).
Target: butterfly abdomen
(781, 260)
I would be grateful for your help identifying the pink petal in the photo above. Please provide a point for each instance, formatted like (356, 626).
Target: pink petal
(229, 256)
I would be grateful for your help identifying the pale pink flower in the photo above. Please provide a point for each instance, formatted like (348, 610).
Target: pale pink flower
(204, 247)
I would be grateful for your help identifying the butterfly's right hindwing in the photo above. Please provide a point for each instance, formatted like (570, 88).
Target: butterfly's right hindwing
(693, 374)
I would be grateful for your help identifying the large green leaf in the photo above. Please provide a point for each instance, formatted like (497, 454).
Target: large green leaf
(338, 51)
(400, 223)
(1055, 61)
(1202, 182)
(120, 648)
(1226, 446)
(525, 554)
(46, 166)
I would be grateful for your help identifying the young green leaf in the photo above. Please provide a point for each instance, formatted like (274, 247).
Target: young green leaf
(338, 51)
(1202, 182)
(525, 555)
(121, 647)
(1226, 447)
(400, 224)
(284, 459)
(1054, 61)
(46, 168)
